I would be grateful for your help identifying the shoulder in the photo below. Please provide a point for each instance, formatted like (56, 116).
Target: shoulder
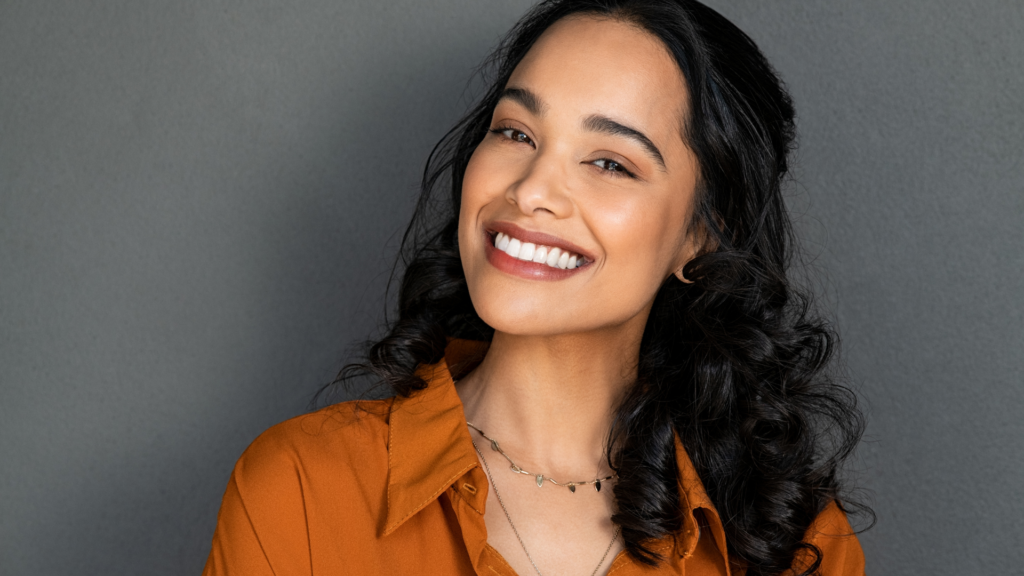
(298, 473)
(337, 440)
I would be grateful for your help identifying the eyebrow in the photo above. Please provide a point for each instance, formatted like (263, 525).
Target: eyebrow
(598, 123)
(524, 98)
(593, 123)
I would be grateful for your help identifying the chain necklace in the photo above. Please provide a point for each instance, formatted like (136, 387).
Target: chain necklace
(487, 470)
(539, 477)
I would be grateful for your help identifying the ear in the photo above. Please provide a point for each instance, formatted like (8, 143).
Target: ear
(688, 251)
(698, 242)
(679, 274)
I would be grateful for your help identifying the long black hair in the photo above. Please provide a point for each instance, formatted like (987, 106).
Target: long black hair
(736, 362)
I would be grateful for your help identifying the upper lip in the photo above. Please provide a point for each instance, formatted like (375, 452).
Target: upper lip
(538, 238)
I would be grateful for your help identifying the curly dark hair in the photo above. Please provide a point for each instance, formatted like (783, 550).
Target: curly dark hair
(735, 362)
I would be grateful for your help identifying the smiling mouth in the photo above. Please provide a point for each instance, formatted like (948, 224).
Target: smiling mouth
(537, 253)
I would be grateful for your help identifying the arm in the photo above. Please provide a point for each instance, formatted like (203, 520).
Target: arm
(236, 546)
(261, 527)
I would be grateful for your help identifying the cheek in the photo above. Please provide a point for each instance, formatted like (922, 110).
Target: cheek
(642, 237)
(471, 184)
(482, 196)
(482, 182)
(474, 194)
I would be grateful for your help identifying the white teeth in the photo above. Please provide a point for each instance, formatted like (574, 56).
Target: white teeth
(514, 246)
(530, 252)
(526, 252)
(552, 259)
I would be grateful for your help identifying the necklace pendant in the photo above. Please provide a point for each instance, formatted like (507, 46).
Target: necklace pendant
(517, 469)
(494, 446)
(598, 485)
(572, 488)
(540, 480)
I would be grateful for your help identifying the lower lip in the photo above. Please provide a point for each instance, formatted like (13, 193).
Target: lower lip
(523, 268)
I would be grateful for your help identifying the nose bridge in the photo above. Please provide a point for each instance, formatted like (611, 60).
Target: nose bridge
(542, 186)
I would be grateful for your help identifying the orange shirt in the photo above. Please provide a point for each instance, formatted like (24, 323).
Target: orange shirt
(395, 487)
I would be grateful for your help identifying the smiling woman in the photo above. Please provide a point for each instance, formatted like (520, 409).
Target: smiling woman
(599, 299)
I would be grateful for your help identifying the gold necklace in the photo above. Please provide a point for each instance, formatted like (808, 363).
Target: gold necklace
(540, 477)
(501, 502)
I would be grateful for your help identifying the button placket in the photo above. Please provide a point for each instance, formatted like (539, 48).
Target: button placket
(472, 489)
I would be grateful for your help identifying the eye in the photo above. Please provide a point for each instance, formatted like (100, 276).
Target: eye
(512, 134)
(612, 166)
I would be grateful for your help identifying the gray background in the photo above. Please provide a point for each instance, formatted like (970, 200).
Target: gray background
(198, 203)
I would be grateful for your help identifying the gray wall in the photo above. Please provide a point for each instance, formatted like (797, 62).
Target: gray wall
(198, 203)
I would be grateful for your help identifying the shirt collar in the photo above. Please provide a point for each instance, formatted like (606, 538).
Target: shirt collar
(429, 448)
(694, 499)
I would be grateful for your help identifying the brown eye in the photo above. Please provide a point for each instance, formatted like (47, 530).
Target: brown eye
(513, 135)
(612, 166)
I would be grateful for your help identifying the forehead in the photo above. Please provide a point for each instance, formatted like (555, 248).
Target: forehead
(585, 65)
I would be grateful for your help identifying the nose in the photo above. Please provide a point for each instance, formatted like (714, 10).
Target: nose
(542, 188)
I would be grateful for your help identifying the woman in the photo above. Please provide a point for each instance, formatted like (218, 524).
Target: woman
(599, 364)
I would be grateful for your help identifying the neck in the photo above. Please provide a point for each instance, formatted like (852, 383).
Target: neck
(550, 400)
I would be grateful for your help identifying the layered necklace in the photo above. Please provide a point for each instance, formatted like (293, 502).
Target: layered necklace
(540, 483)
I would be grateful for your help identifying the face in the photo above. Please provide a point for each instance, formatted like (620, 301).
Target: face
(575, 205)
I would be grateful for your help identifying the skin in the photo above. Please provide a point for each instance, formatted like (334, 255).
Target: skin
(565, 350)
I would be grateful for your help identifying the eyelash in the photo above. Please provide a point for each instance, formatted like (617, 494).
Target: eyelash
(622, 172)
(500, 131)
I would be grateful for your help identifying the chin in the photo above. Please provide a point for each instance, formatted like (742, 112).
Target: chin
(523, 316)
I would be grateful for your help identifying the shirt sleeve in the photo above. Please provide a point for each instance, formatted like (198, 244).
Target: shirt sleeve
(261, 528)
(841, 554)
(236, 547)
